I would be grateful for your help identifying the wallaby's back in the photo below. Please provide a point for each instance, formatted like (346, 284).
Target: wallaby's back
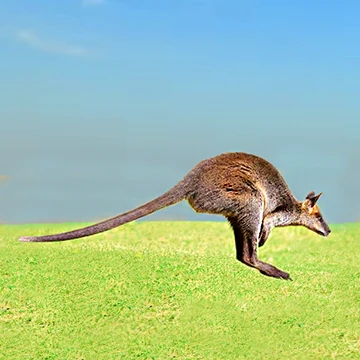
(231, 175)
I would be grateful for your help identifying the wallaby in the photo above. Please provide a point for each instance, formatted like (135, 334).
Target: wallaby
(246, 189)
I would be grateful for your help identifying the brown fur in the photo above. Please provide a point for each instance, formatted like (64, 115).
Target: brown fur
(246, 189)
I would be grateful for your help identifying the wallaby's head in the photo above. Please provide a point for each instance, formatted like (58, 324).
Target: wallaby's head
(311, 216)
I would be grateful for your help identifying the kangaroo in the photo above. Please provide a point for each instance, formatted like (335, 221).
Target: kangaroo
(244, 188)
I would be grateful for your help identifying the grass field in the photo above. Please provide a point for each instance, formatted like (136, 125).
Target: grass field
(174, 290)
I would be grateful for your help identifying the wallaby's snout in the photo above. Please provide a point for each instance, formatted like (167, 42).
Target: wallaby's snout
(324, 229)
(327, 230)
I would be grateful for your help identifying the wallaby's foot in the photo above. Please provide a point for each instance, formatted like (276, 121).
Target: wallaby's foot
(272, 271)
(278, 275)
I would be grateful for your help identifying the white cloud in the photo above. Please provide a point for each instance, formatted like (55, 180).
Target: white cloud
(31, 39)
(92, 2)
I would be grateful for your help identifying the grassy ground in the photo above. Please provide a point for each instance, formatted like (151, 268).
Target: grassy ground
(174, 290)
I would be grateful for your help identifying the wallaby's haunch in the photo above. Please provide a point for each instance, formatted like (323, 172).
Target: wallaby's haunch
(246, 189)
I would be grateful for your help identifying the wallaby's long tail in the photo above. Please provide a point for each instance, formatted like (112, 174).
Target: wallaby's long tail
(171, 197)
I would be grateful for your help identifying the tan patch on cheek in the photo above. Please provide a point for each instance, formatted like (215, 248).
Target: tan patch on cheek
(312, 211)
(315, 210)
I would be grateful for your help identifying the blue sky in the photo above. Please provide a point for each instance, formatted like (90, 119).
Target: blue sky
(106, 104)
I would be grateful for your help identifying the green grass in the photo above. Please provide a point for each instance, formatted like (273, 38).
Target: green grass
(174, 290)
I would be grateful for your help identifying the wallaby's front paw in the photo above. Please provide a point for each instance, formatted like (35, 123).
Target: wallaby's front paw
(262, 242)
(263, 236)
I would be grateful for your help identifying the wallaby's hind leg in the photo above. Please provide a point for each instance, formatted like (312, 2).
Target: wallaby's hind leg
(247, 231)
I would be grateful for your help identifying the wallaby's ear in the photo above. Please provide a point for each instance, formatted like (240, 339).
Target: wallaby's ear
(312, 198)
(310, 195)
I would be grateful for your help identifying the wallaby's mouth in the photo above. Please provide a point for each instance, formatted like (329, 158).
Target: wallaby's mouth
(323, 233)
